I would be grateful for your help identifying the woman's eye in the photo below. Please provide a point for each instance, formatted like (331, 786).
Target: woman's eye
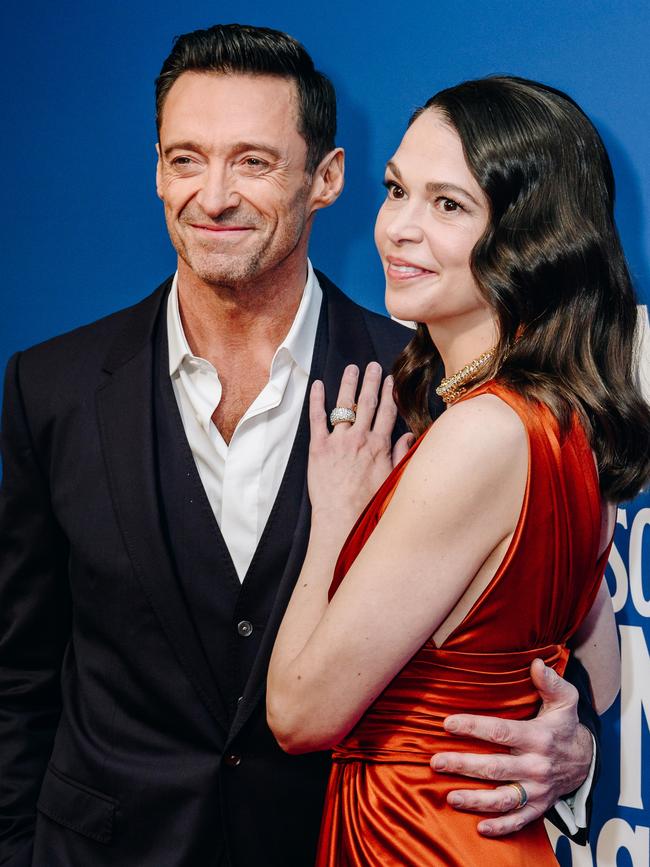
(449, 206)
(394, 190)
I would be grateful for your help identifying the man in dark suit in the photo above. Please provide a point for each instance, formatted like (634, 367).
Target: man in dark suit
(154, 510)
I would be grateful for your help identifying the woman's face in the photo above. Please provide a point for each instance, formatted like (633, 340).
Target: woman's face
(433, 215)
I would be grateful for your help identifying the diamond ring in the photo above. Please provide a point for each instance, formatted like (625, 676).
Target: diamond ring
(341, 413)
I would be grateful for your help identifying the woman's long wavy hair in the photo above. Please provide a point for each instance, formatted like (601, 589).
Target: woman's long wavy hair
(550, 265)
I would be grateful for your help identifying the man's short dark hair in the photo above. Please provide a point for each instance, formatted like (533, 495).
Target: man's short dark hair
(240, 48)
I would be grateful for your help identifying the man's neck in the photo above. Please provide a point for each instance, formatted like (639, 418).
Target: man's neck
(238, 330)
(222, 323)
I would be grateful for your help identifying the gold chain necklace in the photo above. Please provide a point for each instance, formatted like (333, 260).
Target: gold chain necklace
(451, 388)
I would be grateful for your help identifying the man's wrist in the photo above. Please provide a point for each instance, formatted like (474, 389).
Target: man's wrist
(572, 808)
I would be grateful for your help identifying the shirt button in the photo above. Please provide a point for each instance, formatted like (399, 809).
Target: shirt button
(245, 628)
(232, 760)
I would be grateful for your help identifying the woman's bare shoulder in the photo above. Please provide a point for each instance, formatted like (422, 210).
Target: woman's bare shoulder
(481, 426)
(474, 456)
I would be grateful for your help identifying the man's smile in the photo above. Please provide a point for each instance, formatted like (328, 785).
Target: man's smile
(228, 231)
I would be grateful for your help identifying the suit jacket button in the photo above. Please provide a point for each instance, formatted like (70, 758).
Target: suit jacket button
(232, 760)
(245, 628)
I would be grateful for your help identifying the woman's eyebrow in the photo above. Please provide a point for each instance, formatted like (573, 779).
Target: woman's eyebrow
(433, 187)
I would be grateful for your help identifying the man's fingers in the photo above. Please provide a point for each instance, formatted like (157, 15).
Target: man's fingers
(509, 823)
(506, 732)
(504, 802)
(501, 799)
(553, 689)
(480, 767)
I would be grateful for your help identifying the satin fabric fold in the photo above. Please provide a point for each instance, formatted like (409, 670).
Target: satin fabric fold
(384, 803)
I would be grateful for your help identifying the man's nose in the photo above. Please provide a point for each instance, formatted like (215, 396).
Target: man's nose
(218, 192)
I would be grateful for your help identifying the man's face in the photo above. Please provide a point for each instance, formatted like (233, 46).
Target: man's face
(231, 174)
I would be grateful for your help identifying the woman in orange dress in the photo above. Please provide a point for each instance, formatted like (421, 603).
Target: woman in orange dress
(484, 546)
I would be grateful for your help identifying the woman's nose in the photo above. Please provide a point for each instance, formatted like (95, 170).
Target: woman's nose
(404, 225)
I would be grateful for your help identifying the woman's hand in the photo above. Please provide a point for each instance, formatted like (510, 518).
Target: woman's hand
(349, 464)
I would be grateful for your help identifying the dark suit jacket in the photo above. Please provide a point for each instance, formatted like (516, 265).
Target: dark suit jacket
(119, 743)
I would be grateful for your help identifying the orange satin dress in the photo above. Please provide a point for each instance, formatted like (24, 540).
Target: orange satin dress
(384, 803)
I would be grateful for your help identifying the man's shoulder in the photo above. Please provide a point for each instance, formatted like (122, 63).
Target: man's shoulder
(387, 336)
(66, 370)
(93, 340)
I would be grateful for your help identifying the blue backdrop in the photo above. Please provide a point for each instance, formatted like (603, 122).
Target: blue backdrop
(84, 232)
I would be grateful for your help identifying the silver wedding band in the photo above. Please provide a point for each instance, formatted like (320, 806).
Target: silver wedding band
(342, 414)
(523, 794)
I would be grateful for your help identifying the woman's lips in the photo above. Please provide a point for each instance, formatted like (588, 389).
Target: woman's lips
(398, 269)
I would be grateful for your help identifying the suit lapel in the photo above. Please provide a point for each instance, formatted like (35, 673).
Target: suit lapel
(349, 341)
(342, 338)
(124, 407)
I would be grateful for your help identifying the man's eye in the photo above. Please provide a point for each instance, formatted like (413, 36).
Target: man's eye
(394, 190)
(181, 161)
(254, 162)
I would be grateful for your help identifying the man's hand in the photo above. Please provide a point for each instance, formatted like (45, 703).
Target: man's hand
(549, 755)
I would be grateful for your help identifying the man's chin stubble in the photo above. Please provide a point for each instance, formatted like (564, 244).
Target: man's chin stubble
(235, 277)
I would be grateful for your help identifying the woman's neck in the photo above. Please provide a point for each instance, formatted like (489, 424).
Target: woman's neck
(460, 346)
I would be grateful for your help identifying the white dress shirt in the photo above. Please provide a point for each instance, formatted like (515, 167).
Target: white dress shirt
(242, 478)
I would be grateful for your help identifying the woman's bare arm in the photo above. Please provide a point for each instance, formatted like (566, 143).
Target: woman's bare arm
(458, 500)
(595, 644)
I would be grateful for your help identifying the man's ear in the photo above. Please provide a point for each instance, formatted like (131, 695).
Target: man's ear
(327, 181)
(158, 172)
